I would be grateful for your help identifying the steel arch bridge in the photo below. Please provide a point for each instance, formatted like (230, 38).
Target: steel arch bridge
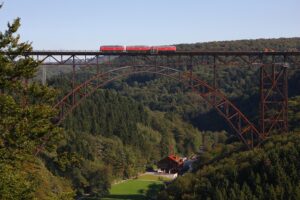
(246, 131)
(273, 81)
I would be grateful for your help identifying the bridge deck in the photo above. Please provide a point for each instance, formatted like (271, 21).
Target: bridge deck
(177, 53)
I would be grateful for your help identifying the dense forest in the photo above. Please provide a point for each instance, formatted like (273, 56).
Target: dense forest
(130, 124)
(133, 122)
(268, 172)
(116, 138)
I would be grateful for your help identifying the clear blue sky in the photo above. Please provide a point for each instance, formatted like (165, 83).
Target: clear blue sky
(87, 24)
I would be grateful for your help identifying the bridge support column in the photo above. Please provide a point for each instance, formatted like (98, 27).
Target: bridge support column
(73, 80)
(97, 65)
(44, 75)
(273, 98)
(215, 72)
(215, 75)
(190, 68)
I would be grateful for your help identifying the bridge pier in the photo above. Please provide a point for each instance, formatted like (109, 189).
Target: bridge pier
(273, 98)
(44, 75)
(73, 79)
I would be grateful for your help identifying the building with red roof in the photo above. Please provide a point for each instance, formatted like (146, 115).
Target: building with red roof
(170, 164)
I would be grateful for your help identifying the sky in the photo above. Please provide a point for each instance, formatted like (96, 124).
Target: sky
(87, 24)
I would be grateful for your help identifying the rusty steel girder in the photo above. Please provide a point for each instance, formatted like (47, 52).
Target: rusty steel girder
(273, 81)
(245, 130)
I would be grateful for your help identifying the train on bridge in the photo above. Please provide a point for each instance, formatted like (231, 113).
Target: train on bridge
(137, 49)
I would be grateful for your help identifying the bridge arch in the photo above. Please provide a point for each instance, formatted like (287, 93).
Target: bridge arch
(245, 130)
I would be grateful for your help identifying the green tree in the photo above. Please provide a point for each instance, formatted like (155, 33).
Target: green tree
(25, 114)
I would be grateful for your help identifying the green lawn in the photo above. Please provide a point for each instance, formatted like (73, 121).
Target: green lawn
(136, 189)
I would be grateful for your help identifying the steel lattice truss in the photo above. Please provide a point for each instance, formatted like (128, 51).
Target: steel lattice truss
(274, 99)
(201, 57)
(179, 65)
(241, 125)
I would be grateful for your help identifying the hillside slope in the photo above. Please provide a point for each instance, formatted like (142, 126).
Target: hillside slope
(126, 127)
(269, 172)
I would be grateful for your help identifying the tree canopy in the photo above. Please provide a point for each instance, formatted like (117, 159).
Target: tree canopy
(25, 116)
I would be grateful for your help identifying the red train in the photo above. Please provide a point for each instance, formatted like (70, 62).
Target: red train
(152, 49)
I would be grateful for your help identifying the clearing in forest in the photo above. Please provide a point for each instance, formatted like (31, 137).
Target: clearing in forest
(136, 189)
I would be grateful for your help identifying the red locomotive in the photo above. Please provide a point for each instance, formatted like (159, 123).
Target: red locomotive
(164, 48)
(137, 48)
(150, 49)
(112, 48)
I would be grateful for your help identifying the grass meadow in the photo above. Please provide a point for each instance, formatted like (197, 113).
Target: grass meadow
(142, 188)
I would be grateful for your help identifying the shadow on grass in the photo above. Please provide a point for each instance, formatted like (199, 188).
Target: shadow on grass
(127, 196)
(153, 190)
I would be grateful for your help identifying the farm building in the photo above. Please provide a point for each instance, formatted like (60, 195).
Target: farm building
(170, 164)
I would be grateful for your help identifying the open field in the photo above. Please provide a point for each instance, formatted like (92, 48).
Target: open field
(136, 189)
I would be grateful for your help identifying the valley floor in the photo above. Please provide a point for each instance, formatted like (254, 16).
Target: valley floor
(141, 188)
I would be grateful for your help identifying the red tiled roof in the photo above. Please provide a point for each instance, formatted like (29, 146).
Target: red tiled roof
(175, 158)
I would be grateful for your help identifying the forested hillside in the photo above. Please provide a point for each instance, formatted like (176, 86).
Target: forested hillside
(269, 172)
(124, 128)
(280, 44)
(127, 126)
(112, 137)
